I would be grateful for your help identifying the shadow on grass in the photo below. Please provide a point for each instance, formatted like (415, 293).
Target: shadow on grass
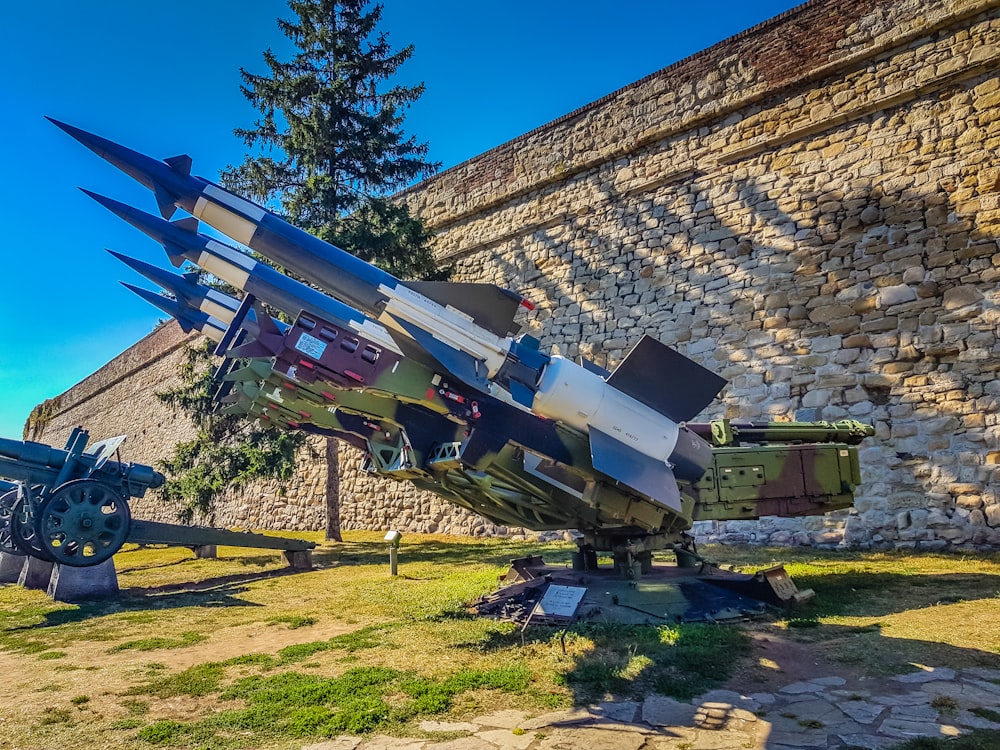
(441, 553)
(870, 594)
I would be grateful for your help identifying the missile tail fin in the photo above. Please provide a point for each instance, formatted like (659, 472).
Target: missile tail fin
(187, 224)
(180, 164)
(665, 381)
(490, 306)
(464, 367)
(634, 469)
(586, 364)
(164, 201)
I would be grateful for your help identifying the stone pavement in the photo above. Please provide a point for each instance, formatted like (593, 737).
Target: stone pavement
(825, 712)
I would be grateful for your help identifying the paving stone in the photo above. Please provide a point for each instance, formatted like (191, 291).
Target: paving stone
(764, 699)
(862, 712)
(798, 688)
(449, 726)
(982, 673)
(731, 697)
(337, 743)
(799, 739)
(914, 713)
(814, 710)
(592, 738)
(382, 742)
(986, 686)
(867, 741)
(505, 738)
(905, 699)
(464, 743)
(928, 674)
(617, 710)
(970, 720)
(570, 717)
(906, 729)
(966, 693)
(508, 719)
(660, 711)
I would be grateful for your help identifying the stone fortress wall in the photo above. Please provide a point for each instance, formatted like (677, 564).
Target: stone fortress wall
(810, 208)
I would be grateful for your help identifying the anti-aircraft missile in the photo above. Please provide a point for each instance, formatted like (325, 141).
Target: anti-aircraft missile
(186, 287)
(182, 242)
(189, 318)
(633, 417)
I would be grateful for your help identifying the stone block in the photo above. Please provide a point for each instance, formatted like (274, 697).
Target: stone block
(69, 584)
(35, 574)
(10, 567)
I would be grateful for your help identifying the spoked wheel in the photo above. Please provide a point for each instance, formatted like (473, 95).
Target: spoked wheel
(83, 523)
(22, 524)
(7, 501)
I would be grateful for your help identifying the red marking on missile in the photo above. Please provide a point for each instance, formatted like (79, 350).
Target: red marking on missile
(329, 396)
(453, 396)
(429, 396)
(527, 303)
(290, 386)
(310, 365)
(373, 426)
(305, 414)
(354, 376)
(293, 424)
(475, 410)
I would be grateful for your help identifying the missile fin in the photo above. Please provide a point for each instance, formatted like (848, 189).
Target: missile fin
(164, 201)
(586, 364)
(464, 367)
(175, 253)
(634, 469)
(187, 224)
(665, 380)
(180, 164)
(490, 306)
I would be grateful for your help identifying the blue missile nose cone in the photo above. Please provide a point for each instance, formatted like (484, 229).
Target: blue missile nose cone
(178, 238)
(176, 285)
(168, 180)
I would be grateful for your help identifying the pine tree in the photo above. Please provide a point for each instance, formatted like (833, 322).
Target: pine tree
(331, 145)
(330, 148)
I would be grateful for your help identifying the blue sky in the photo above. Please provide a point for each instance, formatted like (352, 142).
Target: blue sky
(164, 79)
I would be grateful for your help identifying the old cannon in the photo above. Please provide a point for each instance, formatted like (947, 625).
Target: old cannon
(68, 506)
(71, 507)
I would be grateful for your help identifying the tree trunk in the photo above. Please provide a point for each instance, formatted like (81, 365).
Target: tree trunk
(332, 491)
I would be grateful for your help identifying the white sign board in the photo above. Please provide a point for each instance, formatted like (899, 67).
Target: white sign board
(560, 601)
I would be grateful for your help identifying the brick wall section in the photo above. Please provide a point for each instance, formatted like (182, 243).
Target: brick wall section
(811, 209)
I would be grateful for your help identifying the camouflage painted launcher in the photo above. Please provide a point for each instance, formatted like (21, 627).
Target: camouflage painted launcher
(791, 468)
(71, 506)
(434, 382)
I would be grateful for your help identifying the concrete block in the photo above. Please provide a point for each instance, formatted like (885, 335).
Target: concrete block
(35, 574)
(69, 584)
(206, 551)
(301, 560)
(10, 567)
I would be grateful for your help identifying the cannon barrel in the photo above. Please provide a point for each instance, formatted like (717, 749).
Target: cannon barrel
(725, 432)
(37, 463)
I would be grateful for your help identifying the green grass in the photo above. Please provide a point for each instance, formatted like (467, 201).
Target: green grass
(681, 661)
(154, 643)
(980, 739)
(302, 706)
(256, 637)
(986, 713)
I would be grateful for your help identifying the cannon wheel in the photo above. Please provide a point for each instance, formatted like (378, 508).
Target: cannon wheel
(22, 524)
(83, 523)
(7, 501)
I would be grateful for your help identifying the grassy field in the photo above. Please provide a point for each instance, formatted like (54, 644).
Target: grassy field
(238, 652)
